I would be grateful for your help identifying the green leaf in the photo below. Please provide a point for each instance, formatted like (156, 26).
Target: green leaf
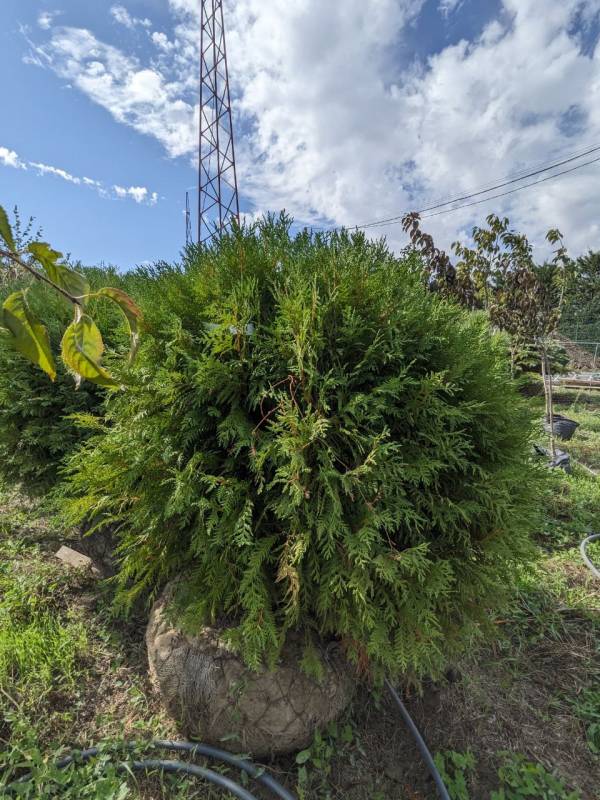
(302, 776)
(29, 336)
(82, 349)
(303, 756)
(70, 281)
(5, 230)
(130, 310)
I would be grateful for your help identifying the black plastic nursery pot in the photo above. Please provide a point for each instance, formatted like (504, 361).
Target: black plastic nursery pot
(563, 427)
(561, 459)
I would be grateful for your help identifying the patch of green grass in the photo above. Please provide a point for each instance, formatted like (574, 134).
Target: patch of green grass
(555, 610)
(23, 759)
(587, 708)
(571, 503)
(580, 407)
(555, 586)
(53, 655)
(588, 419)
(41, 646)
(571, 508)
(100, 778)
(39, 655)
(585, 444)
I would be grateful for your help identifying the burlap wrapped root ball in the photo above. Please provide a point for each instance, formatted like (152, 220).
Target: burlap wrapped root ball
(216, 698)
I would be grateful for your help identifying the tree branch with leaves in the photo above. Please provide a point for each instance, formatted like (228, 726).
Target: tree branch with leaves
(82, 346)
(499, 275)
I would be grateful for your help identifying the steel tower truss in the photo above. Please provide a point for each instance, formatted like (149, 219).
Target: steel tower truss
(218, 201)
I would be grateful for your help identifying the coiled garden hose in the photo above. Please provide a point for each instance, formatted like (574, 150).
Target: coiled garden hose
(257, 774)
(254, 772)
(584, 555)
(181, 767)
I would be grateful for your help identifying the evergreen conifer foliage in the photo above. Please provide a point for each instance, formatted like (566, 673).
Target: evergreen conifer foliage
(318, 443)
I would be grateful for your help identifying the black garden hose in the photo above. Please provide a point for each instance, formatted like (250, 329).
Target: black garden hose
(254, 772)
(228, 758)
(423, 749)
(181, 767)
(191, 769)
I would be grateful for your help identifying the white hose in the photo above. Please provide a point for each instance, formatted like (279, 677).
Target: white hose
(584, 555)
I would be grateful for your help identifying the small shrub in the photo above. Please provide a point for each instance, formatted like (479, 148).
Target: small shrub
(316, 762)
(36, 429)
(455, 770)
(318, 443)
(520, 779)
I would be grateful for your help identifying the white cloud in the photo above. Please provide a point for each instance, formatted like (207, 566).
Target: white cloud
(137, 95)
(121, 15)
(342, 131)
(162, 42)
(8, 158)
(333, 126)
(140, 194)
(46, 169)
(447, 7)
(185, 7)
(46, 19)
(323, 145)
(498, 105)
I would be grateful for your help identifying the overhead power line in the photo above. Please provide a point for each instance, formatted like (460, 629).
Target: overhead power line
(398, 218)
(522, 174)
(512, 191)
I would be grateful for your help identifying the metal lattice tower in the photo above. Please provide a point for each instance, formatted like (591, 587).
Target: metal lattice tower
(188, 220)
(218, 201)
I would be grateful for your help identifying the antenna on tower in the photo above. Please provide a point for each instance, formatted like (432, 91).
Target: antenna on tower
(188, 221)
(218, 201)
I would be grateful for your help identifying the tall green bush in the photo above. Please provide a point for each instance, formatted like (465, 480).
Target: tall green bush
(315, 442)
(36, 428)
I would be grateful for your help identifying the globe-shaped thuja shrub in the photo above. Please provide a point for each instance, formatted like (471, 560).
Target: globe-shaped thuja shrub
(316, 443)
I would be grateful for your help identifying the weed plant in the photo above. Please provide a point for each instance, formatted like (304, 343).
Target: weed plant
(518, 778)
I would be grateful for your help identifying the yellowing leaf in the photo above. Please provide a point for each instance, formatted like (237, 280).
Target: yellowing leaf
(82, 349)
(70, 281)
(129, 309)
(29, 336)
(5, 230)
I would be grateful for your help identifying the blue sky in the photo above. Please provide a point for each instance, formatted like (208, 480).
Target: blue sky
(45, 121)
(345, 112)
